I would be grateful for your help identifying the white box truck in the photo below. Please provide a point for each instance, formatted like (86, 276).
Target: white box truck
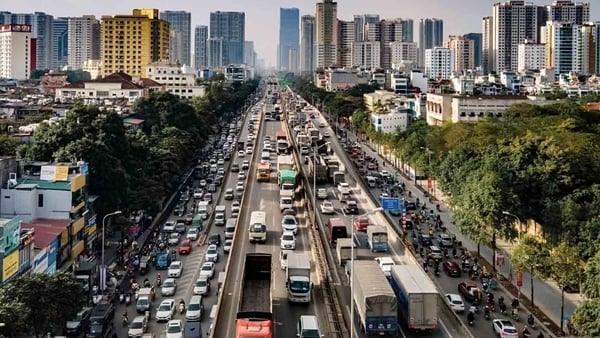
(417, 295)
(298, 281)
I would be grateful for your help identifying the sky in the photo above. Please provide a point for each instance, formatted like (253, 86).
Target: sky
(262, 16)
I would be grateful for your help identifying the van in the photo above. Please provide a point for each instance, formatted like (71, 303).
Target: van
(286, 202)
(203, 209)
(308, 327)
(220, 211)
(195, 309)
(230, 227)
(265, 156)
(371, 182)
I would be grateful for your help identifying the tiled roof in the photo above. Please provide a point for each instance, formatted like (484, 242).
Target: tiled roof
(46, 230)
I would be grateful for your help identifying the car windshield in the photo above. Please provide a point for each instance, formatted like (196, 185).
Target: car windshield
(288, 237)
(289, 220)
(510, 330)
(194, 307)
(201, 283)
(136, 325)
(206, 267)
(212, 251)
(164, 307)
(168, 284)
(174, 329)
(456, 302)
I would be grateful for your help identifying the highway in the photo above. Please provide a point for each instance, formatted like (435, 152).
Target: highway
(264, 196)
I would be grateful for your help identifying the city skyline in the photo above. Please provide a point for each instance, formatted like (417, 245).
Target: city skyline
(262, 19)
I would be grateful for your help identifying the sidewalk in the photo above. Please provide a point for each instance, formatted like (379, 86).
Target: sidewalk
(547, 296)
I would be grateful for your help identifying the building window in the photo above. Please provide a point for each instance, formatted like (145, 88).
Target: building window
(40, 200)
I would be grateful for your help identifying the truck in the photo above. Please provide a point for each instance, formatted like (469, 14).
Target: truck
(317, 169)
(86, 274)
(336, 229)
(302, 139)
(101, 321)
(417, 297)
(286, 176)
(263, 172)
(374, 299)
(338, 177)
(255, 314)
(298, 281)
(343, 247)
(285, 162)
(144, 300)
(282, 146)
(377, 238)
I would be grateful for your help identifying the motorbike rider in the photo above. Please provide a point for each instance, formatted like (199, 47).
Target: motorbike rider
(125, 317)
(526, 332)
(470, 317)
(486, 312)
(181, 305)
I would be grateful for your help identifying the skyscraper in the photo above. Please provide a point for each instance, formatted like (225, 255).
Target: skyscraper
(226, 39)
(60, 43)
(200, 47)
(464, 53)
(84, 40)
(488, 59)
(359, 25)
(307, 43)
(180, 25)
(41, 30)
(141, 34)
(15, 58)
(562, 47)
(249, 54)
(407, 30)
(391, 31)
(344, 44)
(431, 34)
(326, 31)
(477, 47)
(568, 11)
(289, 39)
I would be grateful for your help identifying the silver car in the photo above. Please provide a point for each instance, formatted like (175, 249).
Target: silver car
(137, 327)
(168, 287)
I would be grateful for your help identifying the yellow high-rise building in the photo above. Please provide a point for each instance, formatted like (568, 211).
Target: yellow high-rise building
(131, 42)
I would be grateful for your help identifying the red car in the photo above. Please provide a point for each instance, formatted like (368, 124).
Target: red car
(452, 268)
(185, 247)
(361, 224)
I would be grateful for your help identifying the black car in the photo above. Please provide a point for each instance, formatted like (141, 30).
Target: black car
(425, 240)
(214, 239)
(179, 209)
(79, 324)
(351, 207)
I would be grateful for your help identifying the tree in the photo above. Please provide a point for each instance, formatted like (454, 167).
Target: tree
(46, 302)
(8, 145)
(591, 282)
(586, 318)
(534, 256)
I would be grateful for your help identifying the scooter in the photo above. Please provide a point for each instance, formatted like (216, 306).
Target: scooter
(436, 271)
(121, 297)
(470, 318)
(486, 313)
(128, 299)
(181, 308)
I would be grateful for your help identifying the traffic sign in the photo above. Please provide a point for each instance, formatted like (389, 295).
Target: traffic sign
(390, 203)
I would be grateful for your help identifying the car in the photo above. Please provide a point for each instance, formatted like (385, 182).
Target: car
(208, 269)
(361, 223)
(180, 227)
(434, 252)
(235, 168)
(241, 176)
(169, 287)
(351, 207)
(304, 150)
(214, 239)
(173, 238)
(321, 125)
(239, 186)
(203, 183)
(235, 207)
(137, 327)
(245, 165)
(169, 226)
(241, 153)
(212, 253)
(451, 268)
(208, 197)
(227, 245)
(192, 234)
(322, 194)
(445, 240)
(504, 328)
(425, 240)
(343, 188)
(174, 329)
(249, 150)
(455, 302)
(197, 194)
(165, 310)
(212, 188)
(288, 240)
(228, 194)
(220, 161)
(188, 218)
(471, 291)
(289, 223)
(185, 247)
(326, 134)
(202, 286)
(289, 211)
(385, 263)
(78, 324)
(327, 208)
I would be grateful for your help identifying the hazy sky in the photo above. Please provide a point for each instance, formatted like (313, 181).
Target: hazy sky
(262, 16)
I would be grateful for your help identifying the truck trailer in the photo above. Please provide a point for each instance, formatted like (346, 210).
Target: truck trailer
(375, 301)
(255, 314)
(298, 281)
(417, 297)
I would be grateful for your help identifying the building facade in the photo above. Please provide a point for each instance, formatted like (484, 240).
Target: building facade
(366, 54)
(326, 34)
(562, 47)
(464, 53)
(360, 22)
(345, 41)
(307, 44)
(391, 122)
(130, 42)
(587, 48)
(431, 34)
(439, 63)
(177, 80)
(84, 40)
(60, 43)
(488, 60)
(226, 38)
(200, 47)
(289, 39)
(15, 52)
(180, 25)
(41, 31)
(250, 54)
(477, 47)
(531, 56)
(404, 53)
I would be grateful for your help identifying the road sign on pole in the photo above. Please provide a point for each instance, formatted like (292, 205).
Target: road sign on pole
(390, 203)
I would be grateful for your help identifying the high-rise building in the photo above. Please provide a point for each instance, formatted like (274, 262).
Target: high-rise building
(562, 47)
(359, 25)
(431, 34)
(477, 47)
(131, 42)
(289, 39)
(84, 40)
(180, 25)
(390, 31)
(326, 31)
(200, 47)
(513, 22)
(488, 59)
(567, 11)
(226, 38)
(15, 51)
(531, 56)
(439, 63)
(41, 30)
(407, 30)
(587, 48)
(60, 43)
(372, 31)
(464, 53)
(249, 54)
(596, 51)
(344, 45)
(307, 44)
(366, 54)
(404, 53)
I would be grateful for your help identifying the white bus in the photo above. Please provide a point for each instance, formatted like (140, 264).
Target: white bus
(257, 230)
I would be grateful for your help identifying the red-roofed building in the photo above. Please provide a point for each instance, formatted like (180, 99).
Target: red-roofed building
(48, 240)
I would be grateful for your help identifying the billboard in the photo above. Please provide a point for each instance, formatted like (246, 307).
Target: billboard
(52, 254)
(54, 173)
(45, 260)
(11, 236)
(10, 265)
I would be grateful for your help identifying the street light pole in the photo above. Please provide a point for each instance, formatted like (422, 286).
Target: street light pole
(352, 268)
(518, 220)
(114, 213)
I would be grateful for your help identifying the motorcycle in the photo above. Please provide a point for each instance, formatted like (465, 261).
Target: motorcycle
(526, 333)
(515, 314)
(436, 272)
(125, 321)
(121, 297)
(470, 318)
(486, 313)
(437, 207)
(128, 299)
(181, 307)
(531, 321)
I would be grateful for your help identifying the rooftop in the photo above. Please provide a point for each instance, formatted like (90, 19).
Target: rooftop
(46, 230)
(29, 183)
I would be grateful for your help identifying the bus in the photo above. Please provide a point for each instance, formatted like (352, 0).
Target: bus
(263, 172)
(257, 231)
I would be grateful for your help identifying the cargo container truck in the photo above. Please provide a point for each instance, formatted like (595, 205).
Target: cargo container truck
(298, 281)
(417, 297)
(255, 315)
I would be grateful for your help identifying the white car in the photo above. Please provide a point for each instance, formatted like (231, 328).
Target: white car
(169, 226)
(165, 310)
(212, 253)
(326, 134)
(138, 326)
(228, 194)
(208, 269)
(198, 193)
(504, 328)
(235, 207)
(202, 286)
(241, 176)
(174, 329)
(343, 187)
(385, 263)
(220, 161)
(322, 194)
(245, 165)
(192, 234)
(241, 153)
(173, 238)
(227, 245)
(175, 269)
(239, 186)
(327, 208)
(289, 223)
(203, 183)
(249, 151)
(456, 303)
(169, 287)
(304, 150)
(288, 240)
